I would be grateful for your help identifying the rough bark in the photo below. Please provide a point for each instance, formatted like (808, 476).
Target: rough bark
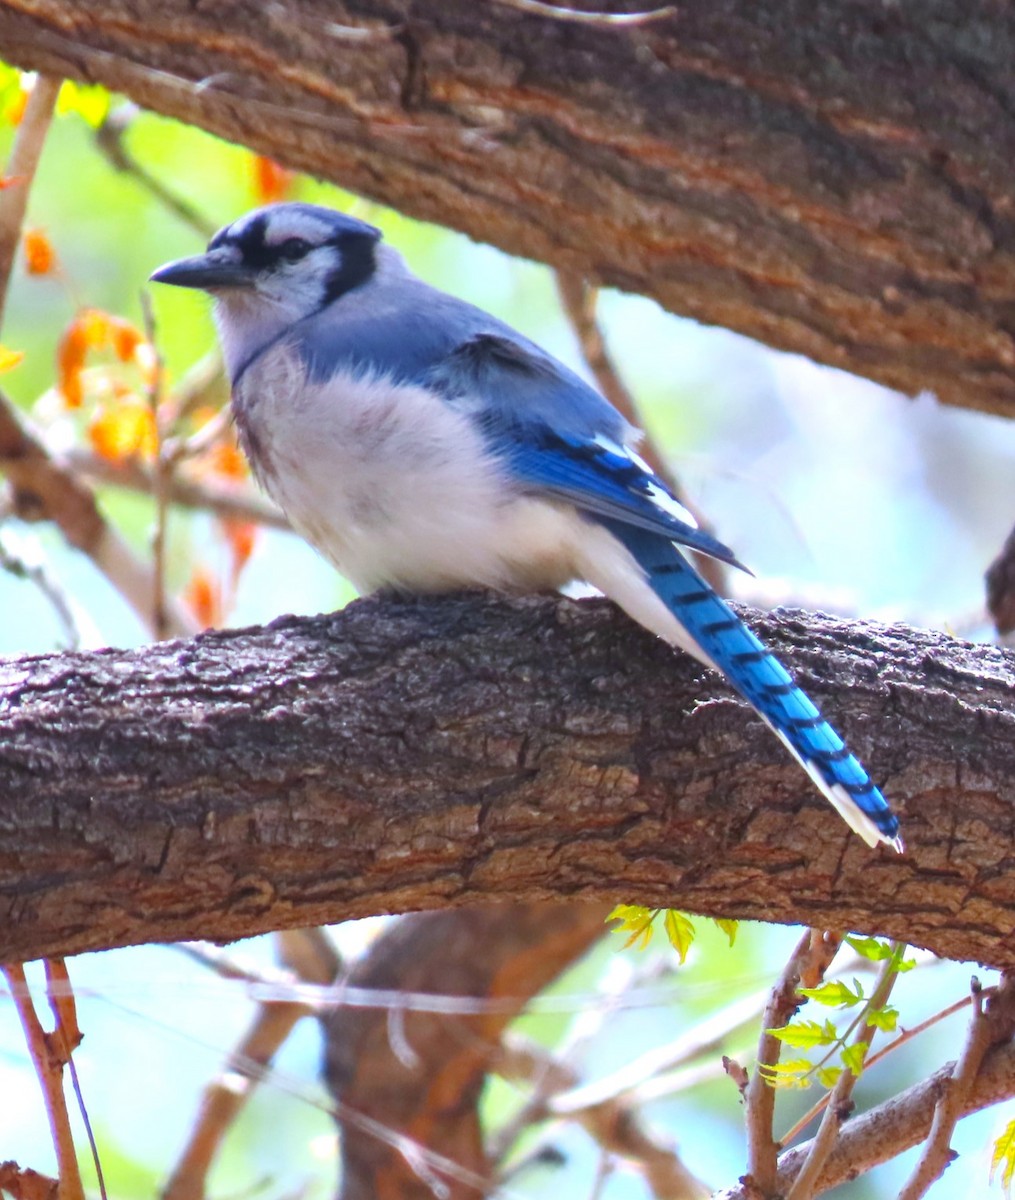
(832, 177)
(420, 754)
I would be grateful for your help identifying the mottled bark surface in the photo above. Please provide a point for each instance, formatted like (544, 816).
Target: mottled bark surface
(832, 177)
(419, 754)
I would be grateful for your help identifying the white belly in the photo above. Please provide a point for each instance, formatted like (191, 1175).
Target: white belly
(393, 486)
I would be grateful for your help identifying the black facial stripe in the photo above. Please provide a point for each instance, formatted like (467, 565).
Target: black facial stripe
(358, 261)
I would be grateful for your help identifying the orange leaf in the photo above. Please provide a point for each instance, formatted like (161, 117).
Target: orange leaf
(270, 181)
(7, 181)
(40, 257)
(15, 110)
(9, 359)
(241, 536)
(92, 329)
(204, 598)
(124, 338)
(227, 461)
(125, 430)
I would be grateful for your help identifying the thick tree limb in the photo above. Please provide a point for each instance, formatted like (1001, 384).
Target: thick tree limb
(421, 754)
(831, 178)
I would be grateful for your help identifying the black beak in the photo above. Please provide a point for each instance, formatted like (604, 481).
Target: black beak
(215, 269)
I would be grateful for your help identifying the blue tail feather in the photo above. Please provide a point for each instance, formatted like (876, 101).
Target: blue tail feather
(764, 682)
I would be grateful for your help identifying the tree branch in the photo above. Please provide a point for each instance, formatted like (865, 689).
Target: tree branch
(408, 754)
(900, 1123)
(834, 182)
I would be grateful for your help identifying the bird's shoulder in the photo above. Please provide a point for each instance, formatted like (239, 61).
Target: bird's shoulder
(403, 328)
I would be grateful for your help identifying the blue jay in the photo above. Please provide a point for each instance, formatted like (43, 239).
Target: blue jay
(421, 444)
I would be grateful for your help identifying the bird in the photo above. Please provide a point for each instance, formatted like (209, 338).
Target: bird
(422, 445)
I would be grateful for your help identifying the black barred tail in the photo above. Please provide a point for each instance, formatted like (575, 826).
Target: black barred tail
(759, 676)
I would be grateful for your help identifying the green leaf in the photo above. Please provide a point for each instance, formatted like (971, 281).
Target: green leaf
(1004, 1152)
(870, 948)
(728, 927)
(835, 994)
(853, 1057)
(680, 931)
(886, 1018)
(828, 1077)
(806, 1033)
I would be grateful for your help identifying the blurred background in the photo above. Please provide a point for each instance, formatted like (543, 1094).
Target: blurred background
(838, 494)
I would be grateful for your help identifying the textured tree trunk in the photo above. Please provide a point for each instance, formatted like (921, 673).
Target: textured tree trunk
(423, 754)
(833, 177)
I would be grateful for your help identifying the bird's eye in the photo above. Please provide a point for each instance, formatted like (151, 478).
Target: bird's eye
(294, 248)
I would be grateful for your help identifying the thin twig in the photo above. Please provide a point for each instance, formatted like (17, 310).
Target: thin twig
(15, 562)
(221, 500)
(840, 1100)
(67, 1032)
(615, 1123)
(884, 1132)
(49, 1054)
(992, 1021)
(907, 1035)
(41, 489)
(759, 1099)
(21, 167)
(162, 477)
(583, 17)
(310, 958)
(110, 139)
(706, 1036)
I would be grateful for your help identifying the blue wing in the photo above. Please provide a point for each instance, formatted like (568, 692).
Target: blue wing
(561, 438)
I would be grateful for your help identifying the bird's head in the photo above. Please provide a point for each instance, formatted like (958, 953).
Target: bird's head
(274, 266)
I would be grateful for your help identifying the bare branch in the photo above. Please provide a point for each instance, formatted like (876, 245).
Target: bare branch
(615, 1123)
(897, 1125)
(44, 490)
(225, 1096)
(218, 499)
(840, 1101)
(993, 1022)
(50, 1054)
(20, 171)
(759, 1099)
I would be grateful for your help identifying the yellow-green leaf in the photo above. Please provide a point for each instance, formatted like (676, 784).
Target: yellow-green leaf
(1003, 1156)
(834, 994)
(805, 1033)
(886, 1018)
(9, 359)
(89, 101)
(870, 948)
(728, 927)
(792, 1074)
(828, 1077)
(636, 921)
(853, 1056)
(679, 930)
